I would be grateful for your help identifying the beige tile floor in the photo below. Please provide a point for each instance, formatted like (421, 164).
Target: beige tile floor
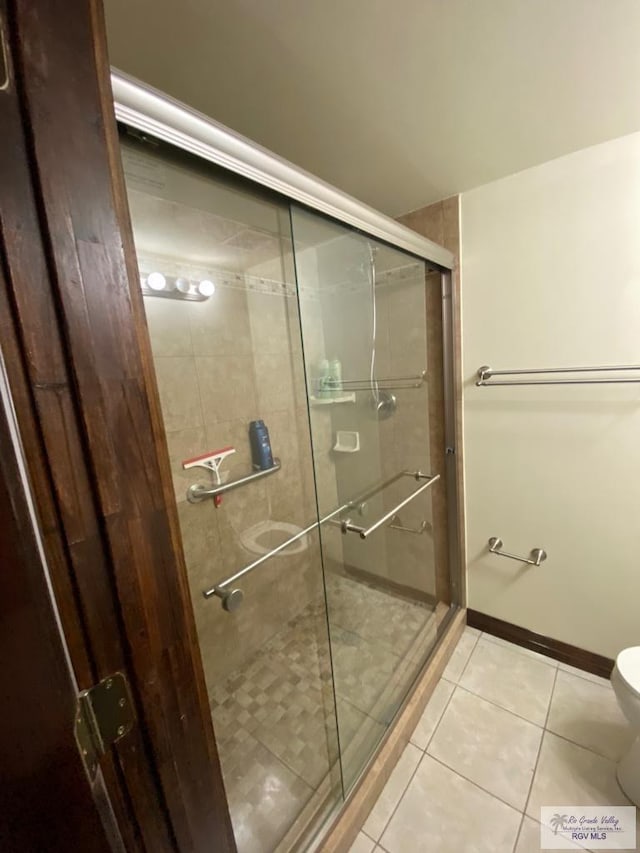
(505, 732)
(275, 717)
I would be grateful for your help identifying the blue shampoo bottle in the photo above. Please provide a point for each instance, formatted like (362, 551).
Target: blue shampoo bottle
(261, 454)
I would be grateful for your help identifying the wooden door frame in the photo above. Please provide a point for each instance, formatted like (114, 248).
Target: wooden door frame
(75, 343)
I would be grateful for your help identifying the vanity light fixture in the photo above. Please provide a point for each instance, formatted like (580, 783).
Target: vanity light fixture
(156, 281)
(171, 287)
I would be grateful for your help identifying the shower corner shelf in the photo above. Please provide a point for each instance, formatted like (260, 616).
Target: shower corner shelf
(332, 401)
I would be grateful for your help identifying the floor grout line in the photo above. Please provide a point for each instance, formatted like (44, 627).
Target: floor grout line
(522, 650)
(518, 833)
(473, 648)
(543, 729)
(535, 820)
(553, 662)
(546, 720)
(582, 746)
(475, 784)
(440, 719)
(502, 707)
(423, 751)
(584, 676)
(401, 797)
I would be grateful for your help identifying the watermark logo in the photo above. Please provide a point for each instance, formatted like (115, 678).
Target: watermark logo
(588, 827)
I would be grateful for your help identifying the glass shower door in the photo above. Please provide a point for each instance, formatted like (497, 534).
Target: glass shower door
(217, 275)
(365, 327)
(325, 335)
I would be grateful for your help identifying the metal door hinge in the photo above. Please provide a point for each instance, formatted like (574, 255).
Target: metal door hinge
(104, 714)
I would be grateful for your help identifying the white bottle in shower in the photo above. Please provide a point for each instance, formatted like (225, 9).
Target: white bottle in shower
(335, 377)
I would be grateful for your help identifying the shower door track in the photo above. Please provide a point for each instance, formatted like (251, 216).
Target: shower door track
(150, 111)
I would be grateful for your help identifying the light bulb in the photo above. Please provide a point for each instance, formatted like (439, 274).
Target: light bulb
(183, 285)
(156, 281)
(206, 287)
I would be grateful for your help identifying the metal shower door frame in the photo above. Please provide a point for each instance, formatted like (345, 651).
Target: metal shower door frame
(151, 111)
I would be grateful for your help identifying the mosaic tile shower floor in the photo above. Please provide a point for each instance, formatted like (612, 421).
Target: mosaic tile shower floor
(275, 717)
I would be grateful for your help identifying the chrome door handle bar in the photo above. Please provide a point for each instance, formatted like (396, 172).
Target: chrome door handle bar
(232, 598)
(347, 525)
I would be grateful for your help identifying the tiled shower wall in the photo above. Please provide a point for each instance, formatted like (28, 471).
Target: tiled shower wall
(440, 222)
(403, 440)
(220, 364)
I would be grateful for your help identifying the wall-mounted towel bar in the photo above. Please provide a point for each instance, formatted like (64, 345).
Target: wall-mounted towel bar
(486, 374)
(347, 525)
(537, 555)
(385, 384)
(197, 493)
(396, 524)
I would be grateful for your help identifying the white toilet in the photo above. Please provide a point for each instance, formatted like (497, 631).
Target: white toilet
(625, 680)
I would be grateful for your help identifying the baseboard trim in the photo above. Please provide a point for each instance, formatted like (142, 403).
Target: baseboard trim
(564, 652)
(380, 582)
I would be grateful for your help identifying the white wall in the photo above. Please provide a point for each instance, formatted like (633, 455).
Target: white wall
(551, 277)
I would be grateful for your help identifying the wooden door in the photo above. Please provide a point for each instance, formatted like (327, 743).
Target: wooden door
(75, 346)
(46, 802)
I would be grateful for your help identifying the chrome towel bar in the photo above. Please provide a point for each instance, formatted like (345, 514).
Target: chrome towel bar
(197, 493)
(232, 597)
(486, 373)
(384, 384)
(347, 525)
(537, 555)
(396, 524)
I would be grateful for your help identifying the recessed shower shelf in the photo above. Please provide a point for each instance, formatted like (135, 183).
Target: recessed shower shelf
(332, 401)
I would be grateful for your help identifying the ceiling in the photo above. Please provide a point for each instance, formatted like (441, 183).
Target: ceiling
(397, 102)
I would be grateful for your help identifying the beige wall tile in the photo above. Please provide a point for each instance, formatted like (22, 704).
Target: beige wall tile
(227, 388)
(179, 393)
(198, 526)
(220, 326)
(169, 328)
(185, 444)
(270, 321)
(407, 328)
(274, 383)
(234, 433)
(451, 224)
(428, 221)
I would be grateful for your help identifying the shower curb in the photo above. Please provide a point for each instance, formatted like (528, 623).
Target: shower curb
(355, 811)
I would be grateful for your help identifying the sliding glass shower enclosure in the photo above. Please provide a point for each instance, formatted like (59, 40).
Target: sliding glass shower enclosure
(323, 574)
